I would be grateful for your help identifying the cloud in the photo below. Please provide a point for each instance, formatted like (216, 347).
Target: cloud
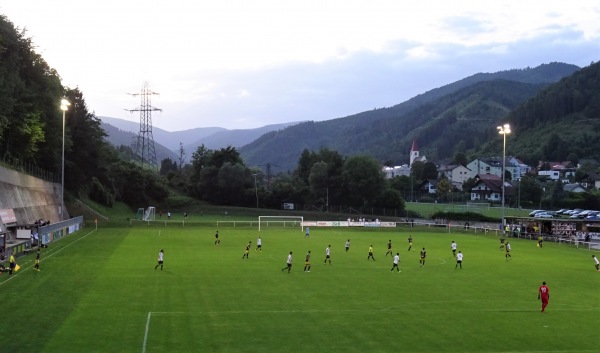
(366, 80)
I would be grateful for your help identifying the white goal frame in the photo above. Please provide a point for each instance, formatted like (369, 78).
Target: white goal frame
(482, 205)
(263, 221)
(150, 214)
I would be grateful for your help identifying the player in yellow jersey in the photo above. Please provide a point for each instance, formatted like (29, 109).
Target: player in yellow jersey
(371, 253)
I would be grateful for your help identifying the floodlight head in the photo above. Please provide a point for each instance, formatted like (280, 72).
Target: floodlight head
(64, 104)
(504, 129)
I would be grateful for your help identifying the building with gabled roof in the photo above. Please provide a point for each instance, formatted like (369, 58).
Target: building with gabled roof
(414, 154)
(488, 187)
(491, 165)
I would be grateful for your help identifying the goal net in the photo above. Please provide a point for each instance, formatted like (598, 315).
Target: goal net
(280, 221)
(140, 214)
(150, 214)
(478, 205)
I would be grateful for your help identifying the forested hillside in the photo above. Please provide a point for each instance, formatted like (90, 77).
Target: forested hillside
(455, 118)
(561, 122)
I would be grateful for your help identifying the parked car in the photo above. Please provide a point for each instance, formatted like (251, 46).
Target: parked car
(592, 214)
(532, 213)
(543, 215)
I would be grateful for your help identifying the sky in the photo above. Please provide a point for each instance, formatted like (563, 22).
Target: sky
(242, 64)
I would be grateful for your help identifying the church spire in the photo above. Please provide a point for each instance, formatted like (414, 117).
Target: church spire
(414, 152)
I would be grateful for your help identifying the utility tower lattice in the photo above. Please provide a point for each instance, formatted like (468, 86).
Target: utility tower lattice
(144, 142)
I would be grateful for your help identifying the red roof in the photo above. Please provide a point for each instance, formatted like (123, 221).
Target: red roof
(414, 146)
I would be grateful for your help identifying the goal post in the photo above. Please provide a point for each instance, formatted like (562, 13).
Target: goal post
(280, 221)
(479, 205)
(150, 214)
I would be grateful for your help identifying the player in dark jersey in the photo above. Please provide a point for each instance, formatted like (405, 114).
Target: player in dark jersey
(36, 267)
(217, 241)
(422, 257)
(247, 251)
(389, 248)
(409, 242)
(307, 262)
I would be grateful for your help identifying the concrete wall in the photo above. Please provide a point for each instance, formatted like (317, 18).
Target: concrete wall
(30, 198)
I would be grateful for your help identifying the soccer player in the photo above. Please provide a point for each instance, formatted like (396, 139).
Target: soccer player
(395, 263)
(453, 247)
(327, 255)
(36, 267)
(258, 244)
(307, 262)
(161, 255)
(370, 253)
(597, 263)
(422, 257)
(501, 243)
(247, 251)
(307, 233)
(347, 245)
(507, 255)
(288, 263)
(540, 240)
(217, 241)
(459, 258)
(409, 242)
(389, 248)
(544, 295)
(11, 264)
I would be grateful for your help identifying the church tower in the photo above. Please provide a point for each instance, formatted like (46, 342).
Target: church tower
(414, 152)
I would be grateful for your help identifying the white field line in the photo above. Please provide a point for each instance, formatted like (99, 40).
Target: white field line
(235, 312)
(45, 257)
(146, 333)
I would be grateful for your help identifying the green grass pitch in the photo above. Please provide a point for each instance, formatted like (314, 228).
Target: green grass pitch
(98, 291)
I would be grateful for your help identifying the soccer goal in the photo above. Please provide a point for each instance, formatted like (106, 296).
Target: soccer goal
(150, 214)
(140, 214)
(478, 205)
(280, 221)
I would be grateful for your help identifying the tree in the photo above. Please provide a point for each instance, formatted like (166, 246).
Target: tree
(318, 180)
(558, 193)
(460, 158)
(363, 179)
(87, 154)
(443, 188)
(391, 198)
(416, 170)
(166, 166)
(181, 156)
(531, 191)
(429, 171)
(232, 180)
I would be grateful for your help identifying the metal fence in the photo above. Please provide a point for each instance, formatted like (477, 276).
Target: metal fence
(30, 169)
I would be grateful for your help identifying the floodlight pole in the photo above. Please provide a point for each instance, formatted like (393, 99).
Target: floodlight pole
(255, 189)
(64, 106)
(503, 130)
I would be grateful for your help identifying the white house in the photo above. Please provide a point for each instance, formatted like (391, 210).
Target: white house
(492, 166)
(489, 188)
(455, 173)
(551, 174)
(391, 172)
(521, 168)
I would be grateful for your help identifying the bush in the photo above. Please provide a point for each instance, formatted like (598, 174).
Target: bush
(464, 216)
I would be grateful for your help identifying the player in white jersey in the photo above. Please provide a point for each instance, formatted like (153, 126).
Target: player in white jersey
(395, 263)
(459, 258)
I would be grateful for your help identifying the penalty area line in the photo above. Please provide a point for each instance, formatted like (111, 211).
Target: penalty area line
(146, 332)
